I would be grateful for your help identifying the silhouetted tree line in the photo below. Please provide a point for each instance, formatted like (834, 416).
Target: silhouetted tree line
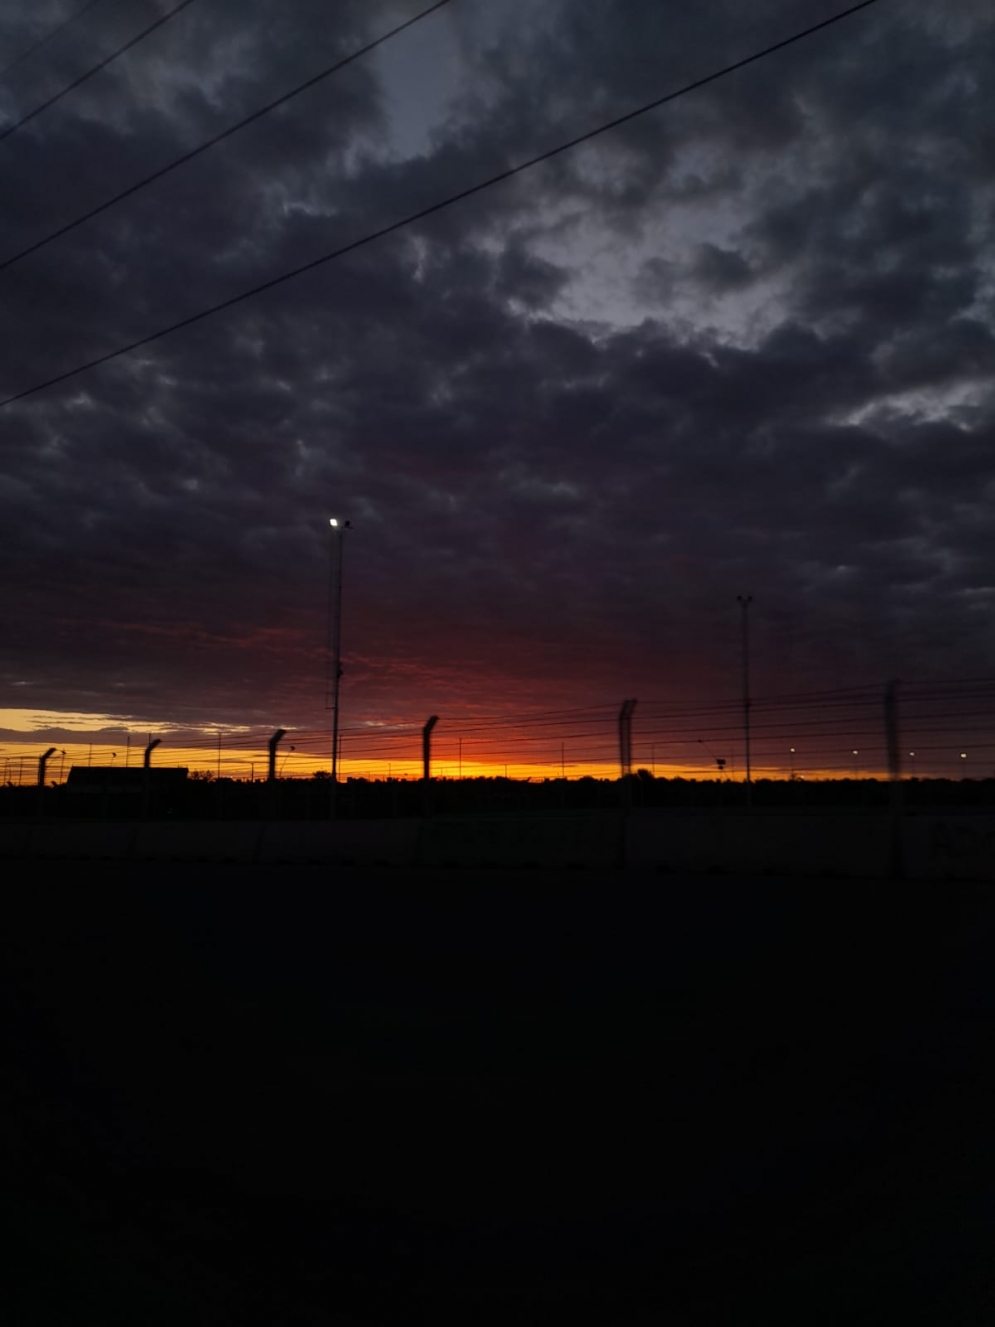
(207, 798)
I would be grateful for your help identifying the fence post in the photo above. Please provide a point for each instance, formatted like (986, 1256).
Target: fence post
(272, 744)
(271, 788)
(426, 756)
(147, 777)
(895, 775)
(42, 762)
(625, 749)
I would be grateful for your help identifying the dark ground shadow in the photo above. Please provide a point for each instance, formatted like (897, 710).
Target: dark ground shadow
(302, 1096)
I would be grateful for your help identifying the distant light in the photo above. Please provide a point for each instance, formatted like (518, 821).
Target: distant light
(911, 753)
(855, 753)
(963, 755)
(333, 521)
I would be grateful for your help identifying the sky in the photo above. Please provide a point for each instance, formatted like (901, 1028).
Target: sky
(741, 345)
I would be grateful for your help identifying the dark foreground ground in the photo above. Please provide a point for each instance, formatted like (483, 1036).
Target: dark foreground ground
(302, 1096)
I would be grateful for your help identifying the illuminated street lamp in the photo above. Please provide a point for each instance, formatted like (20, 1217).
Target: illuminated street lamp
(338, 530)
(792, 752)
(855, 754)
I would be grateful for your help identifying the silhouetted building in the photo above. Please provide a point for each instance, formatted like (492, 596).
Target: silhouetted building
(121, 779)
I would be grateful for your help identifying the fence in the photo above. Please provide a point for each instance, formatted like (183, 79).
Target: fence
(945, 731)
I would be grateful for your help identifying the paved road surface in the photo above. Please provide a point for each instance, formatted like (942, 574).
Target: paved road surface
(304, 1096)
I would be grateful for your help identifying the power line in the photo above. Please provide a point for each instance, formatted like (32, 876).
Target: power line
(528, 718)
(219, 137)
(43, 41)
(439, 206)
(95, 69)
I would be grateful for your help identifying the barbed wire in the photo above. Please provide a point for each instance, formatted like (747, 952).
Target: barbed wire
(949, 723)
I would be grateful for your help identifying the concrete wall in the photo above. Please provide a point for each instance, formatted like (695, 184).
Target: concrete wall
(368, 842)
(195, 840)
(761, 843)
(579, 841)
(950, 847)
(941, 846)
(844, 844)
(74, 840)
(354, 842)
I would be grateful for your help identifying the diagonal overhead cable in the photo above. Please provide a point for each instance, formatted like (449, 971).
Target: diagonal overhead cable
(43, 41)
(468, 192)
(95, 69)
(218, 138)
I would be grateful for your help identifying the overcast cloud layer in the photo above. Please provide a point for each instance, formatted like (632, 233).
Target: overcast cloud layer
(743, 345)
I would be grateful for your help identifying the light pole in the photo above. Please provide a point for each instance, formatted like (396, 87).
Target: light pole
(792, 754)
(855, 754)
(744, 602)
(912, 757)
(338, 530)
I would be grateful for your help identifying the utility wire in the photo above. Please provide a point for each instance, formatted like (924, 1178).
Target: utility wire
(43, 41)
(95, 69)
(218, 138)
(439, 206)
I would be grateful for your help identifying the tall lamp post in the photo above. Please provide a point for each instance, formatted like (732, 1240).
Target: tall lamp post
(744, 601)
(338, 529)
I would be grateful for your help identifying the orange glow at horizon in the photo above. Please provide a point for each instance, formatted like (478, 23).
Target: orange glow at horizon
(19, 763)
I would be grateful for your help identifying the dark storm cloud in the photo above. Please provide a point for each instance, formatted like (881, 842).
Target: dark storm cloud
(721, 269)
(543, 504)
